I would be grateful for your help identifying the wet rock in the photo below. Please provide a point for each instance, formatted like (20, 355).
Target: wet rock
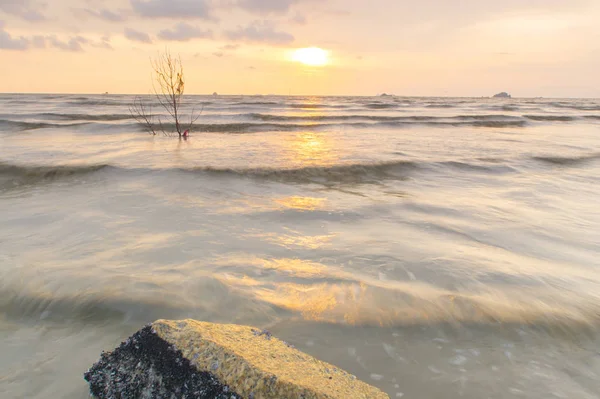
(191, 359)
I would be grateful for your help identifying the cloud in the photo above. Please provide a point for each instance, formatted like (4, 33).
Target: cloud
(38, 41)
(106, 15)
(21, 8)
(230, 47)
(260, 32)
(298, 19)
(74, 44)
(185, 9)
(184, 32)
(137, 36)
(218, 54)
(457, 14)
(266, 6)
(22, 43)
(103, 43)
(7, 42)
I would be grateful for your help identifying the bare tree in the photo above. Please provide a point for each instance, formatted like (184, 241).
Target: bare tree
(168, 88)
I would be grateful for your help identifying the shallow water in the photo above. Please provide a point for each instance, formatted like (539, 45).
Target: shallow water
(433, 247)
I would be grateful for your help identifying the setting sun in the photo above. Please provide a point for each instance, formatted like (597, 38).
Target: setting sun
(312, 56)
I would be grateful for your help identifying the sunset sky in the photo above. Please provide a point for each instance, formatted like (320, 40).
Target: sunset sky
(529, 48)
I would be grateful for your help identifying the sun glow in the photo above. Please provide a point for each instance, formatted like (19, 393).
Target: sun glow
(312, 56)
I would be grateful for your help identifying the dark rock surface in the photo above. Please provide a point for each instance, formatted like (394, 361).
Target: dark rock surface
(184, 359)
(146, 366)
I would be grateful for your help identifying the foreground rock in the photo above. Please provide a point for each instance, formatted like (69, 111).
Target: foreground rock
(191, 359)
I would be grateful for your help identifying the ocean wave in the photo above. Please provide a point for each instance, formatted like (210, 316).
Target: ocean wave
(17, 175)
(54, 96)
(12, 175)
(313, 118)
(83, 308)
(389, 304)
(96, 102)
(256, 103)
(22, 299)
(316, 106)
(7, 125)
(550, 118)
(21, 101)
(20, 126)
(85, 117)
(477, 123)
(499, 167)
(379, 122)
(503, 108)
(575, 106)
(274, 122)
(264, 127)
(440, 106)
(488, 117)
(350, 173)
(356, 173)
(381, 105)
(568, 161)
(375, 118)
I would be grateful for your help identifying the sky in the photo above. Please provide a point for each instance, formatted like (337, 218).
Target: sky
(530, 48)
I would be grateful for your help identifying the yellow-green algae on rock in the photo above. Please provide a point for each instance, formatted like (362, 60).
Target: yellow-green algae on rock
(256, 365)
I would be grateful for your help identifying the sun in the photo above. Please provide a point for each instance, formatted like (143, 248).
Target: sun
(312, 56)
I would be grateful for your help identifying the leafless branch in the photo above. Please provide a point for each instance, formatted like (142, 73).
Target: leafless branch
(142, 113)
(168, 88)
(194, 118)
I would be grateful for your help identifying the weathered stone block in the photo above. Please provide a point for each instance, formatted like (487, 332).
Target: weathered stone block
(191, 359)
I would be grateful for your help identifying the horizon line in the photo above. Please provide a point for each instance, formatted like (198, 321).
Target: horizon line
(295, 95)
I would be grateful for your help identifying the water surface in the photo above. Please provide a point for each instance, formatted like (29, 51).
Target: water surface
(434, 247)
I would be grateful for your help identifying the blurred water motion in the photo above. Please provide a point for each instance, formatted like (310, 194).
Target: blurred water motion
(433, 247)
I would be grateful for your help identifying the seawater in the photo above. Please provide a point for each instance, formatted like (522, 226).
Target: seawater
(434, 247)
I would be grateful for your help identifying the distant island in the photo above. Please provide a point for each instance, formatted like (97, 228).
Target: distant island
(502, 95)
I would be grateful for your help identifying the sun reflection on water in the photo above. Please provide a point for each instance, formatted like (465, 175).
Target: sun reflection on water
(301, 203)
(294, 239)
(314, 147)
(310, 149)
(320, 292)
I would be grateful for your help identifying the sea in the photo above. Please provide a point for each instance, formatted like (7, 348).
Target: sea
(434, 247)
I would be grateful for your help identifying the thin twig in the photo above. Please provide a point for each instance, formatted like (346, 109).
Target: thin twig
(168, 88)
(143, 115)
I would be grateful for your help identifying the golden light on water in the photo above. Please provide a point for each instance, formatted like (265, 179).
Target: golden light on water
(301, 203)
(312, 56)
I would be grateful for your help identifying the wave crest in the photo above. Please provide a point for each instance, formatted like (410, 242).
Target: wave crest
(20, 175)
(86, 117)
(568, 161)
(351, 173)
(19, 126)
(550, 118)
